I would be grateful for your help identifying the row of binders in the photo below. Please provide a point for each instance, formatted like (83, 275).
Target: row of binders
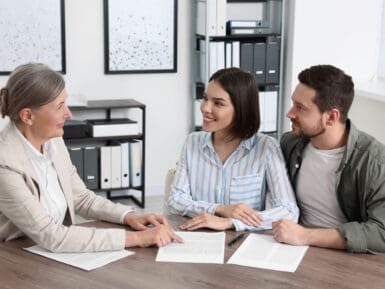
(216, 17)
(268, 108)
(109, 167)
(260, 58)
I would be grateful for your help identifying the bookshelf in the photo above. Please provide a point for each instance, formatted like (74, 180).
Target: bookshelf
(106, 108)
(247, 34)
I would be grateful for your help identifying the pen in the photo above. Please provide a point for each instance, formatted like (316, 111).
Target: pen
(236, 239)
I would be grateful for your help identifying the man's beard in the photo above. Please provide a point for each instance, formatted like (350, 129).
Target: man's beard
(318, 130)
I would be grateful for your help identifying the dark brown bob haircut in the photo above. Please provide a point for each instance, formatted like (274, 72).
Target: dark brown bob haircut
(243, 90)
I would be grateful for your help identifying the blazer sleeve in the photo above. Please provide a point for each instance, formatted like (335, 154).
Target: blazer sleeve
(22, 207)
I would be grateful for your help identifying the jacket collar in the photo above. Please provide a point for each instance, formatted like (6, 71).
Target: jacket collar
(351, 144)
(13, 153)
(247, 143)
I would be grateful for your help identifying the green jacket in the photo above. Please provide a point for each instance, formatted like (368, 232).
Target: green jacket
(360, 187)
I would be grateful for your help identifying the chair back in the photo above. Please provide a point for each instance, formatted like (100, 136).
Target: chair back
(167, 189)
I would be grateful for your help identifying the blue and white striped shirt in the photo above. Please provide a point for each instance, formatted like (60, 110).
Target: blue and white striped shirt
(254, 174)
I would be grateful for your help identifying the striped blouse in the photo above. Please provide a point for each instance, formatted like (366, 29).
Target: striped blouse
(254, 174)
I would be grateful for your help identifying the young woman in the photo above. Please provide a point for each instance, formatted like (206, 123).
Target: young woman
(229, 176)
(40, 189)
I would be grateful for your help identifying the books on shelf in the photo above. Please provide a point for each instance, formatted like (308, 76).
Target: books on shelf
(113, 127)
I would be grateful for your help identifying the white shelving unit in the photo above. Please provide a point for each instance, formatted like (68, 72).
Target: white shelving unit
(260, 52)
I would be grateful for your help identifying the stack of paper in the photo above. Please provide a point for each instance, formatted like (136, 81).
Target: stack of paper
(85, 261)
(197, 248)
(261, 251)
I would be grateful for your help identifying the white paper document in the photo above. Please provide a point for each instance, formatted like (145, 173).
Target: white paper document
(262, 251)
(85, 261)
(198, 247)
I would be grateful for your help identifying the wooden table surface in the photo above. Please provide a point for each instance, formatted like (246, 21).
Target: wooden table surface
(320, 268)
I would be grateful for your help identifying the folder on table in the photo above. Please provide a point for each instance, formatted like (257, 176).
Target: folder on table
(105, 167)
(136, 163)
(76, 155)
(116, 166)
(91, 167)
(125, 177)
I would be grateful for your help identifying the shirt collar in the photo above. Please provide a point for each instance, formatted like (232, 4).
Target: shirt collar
(208, 141)
(247, 143)
(49, 149)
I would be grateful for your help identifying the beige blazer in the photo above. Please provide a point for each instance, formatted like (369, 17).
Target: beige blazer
(21, 212)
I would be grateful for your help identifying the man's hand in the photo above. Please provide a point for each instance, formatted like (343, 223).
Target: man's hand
(205, 220)
(285, 231)
(159, 236)
(241, 212)
(141, 222)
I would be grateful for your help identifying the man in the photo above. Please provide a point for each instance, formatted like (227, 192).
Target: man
(337, 171)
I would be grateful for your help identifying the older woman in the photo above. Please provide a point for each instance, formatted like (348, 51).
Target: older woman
(40, 191)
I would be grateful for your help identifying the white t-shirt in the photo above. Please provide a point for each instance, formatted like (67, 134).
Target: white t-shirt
(316, 188)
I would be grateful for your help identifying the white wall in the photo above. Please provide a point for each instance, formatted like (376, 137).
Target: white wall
(166, 95)
(369, 116)
(345, 33)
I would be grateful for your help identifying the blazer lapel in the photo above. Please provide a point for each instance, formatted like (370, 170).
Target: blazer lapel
(64, 182)
(19, 158)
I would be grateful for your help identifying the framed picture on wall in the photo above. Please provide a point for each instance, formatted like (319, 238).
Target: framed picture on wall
(140, 37)
(32, 31)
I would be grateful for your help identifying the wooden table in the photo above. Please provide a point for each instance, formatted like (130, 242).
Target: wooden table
(320, 268)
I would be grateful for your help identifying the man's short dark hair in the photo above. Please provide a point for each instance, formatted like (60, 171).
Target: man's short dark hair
(243, 90)
(334, 88)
